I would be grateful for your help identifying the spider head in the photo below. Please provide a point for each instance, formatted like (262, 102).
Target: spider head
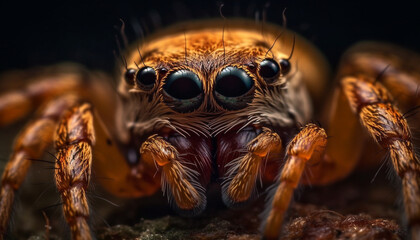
(209, 91)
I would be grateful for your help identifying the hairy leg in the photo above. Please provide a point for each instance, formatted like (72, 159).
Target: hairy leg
(309, 143)
(391, 65)
(363, 101)
(397, 69)
(73, 142)
(371, 74)
(180, 181)
(241, 178)
(78, 132)
(29, 146)
(385, 123)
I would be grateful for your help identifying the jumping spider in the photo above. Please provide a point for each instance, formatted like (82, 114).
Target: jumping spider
(207, 101)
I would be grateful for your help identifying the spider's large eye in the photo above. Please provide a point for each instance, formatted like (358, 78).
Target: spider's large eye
(233, 88)
(269, 70)
(183, 90)
(146, 78)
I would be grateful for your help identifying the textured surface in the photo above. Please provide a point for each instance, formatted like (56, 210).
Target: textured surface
(356, 209)
(313, 224)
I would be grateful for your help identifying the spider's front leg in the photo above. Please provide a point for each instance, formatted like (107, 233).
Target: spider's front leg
(242, 173)
(74, 141)
(77, 133)
(369, 76)
(183, 181)
(308, 144)
(29, 145)
(374, 106)
(372, 74)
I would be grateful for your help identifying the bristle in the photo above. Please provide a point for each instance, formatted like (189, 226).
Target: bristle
(235, 185)
(154, 114)
(184, 192)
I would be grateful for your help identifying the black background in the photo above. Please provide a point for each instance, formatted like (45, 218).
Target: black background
(41, 33)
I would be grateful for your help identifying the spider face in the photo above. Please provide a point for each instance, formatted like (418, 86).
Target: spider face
(218, 80)
(222, 87)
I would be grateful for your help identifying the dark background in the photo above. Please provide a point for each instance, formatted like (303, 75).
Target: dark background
(41, 33)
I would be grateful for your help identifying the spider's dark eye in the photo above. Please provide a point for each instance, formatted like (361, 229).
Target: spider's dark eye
(183, 90)
(129, 76)
(183, 84)
(233, 82)
(269, 69)
(284, 66)
(146, 78)
(233, 88)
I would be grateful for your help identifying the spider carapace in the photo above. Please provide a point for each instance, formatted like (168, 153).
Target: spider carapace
(218, 101)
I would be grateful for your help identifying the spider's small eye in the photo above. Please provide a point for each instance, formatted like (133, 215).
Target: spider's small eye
(183, 90)
(129, 76)
(284, 66)
(146, 78)
(233, 88)
(269, 70)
